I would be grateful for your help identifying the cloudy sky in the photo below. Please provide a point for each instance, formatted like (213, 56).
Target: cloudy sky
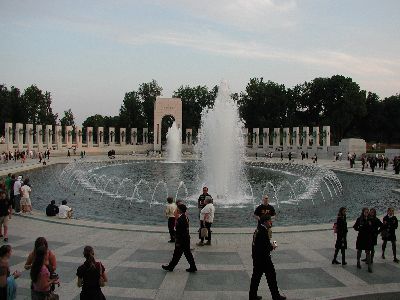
(89, 53)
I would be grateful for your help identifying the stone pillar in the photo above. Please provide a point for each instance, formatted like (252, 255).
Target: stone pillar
(189, 136)
(296, 137)
(265, 137)
(326, 136)
(315, 134)
(256, 135)
(145, 135)
(29, 136)
(277, 137)
(39, 137)
(58, 137)
(111, 136)
(122, 136)
(286, 137)
(306, 136)
(133, 136)
(68, 136)
(100, 136)
(9, 136)
(89, 137)
(78, 136)
(19, 135)
(48, 137)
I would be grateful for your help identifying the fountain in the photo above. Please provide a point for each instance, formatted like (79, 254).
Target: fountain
(221, 147)
(174, 144)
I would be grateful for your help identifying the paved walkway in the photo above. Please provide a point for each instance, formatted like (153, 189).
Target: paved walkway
(133, 261)
(133, 256)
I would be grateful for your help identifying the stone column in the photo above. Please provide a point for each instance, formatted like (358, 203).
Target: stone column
(19, 135)
(29, 136)
(295, 137)
(277, 137)
(58, 137)
(122, 136)
(89, 137)
(189, 136)
(68, 136)
(9, 136)
(39, 137)
(145, 135)
(100, 136)
(48, 137)
(256, 133)
(111, 136)
(286, 137)
(134, 136)
(78, 136)
(316, 136)
(326, 138)
(265, 137)
(306, 136)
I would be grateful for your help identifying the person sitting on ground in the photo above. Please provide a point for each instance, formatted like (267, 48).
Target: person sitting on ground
(170, 214)
(52, 209)
(5, 214)
(65, 212)
(206, 219)
(7, 281)
(91, 277)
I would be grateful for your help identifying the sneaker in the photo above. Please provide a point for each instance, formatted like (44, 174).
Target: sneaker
(200, 244)
(208, 243)
(335, 262)
(344, 263)
(167, 268)
(396, 260)
(191, 270)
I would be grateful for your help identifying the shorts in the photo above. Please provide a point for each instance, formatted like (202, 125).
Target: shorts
(26, 201)
(4, 221)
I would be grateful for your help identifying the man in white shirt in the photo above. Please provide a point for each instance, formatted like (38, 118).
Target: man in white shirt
(17, 194)
(26, 205)
(170, 214)
(64, 211)
(206, 219)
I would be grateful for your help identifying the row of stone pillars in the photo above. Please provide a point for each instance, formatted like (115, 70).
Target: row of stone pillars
(290, 138)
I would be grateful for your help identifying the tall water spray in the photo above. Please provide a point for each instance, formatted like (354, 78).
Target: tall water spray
(174, 144)
(221, 145)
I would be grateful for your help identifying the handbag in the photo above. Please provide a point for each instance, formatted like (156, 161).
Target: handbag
(203, 232)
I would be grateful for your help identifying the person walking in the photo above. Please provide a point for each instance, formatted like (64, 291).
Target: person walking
(262, 262)
(91, 277)
(170, 214)
(390, 224)
(5, 215)
(341, 236)
(206, 219)
(364, 238)
(182, 242)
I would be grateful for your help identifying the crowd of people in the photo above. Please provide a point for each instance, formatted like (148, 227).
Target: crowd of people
(368, 227)
(22, 155)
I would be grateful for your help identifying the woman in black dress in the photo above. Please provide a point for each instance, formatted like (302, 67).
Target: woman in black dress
(365, 237)
(377, 227)
(390, 225)
(91, 276)
(341, 238)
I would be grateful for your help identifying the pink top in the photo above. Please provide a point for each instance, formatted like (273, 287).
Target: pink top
(42, 284)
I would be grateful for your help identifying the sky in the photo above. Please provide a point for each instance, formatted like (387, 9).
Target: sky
(88, 54)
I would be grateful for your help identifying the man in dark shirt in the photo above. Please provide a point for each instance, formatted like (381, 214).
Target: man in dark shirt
(264, 209)
(182, 242)
(202, 197)
(262, 263)
(52, 209)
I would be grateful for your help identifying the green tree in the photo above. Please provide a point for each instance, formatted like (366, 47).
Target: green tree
(148, 93)
(391, 115)
(68, 118)
(38, 106)
(131, 112)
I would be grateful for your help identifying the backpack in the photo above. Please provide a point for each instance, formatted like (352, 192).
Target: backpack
(335, 227)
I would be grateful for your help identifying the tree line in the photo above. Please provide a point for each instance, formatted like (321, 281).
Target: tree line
(337, 101)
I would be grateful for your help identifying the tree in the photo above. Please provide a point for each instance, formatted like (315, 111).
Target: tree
(68, 118)
(391, 115)
(38, 106)
(131, 112)
(148, 93)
